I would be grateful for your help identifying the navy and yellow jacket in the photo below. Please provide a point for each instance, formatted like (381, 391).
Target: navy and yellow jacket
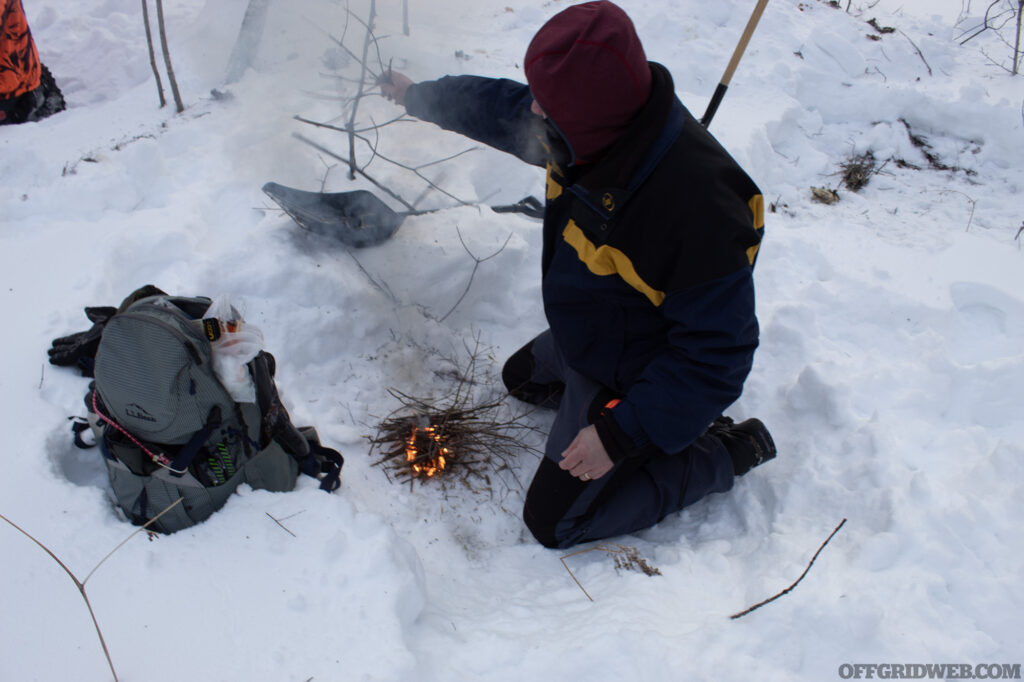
(647, 260)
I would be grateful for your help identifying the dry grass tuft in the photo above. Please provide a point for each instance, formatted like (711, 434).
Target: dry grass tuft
(858, 169)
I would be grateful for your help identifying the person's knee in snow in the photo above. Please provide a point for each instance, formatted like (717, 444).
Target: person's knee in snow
(518, 376)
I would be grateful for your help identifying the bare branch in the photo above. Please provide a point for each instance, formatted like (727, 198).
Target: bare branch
(377, 126)
(278, 522)
(790, 588)
(359, 93)
(323, 149)
(367, 79)
(476, 266)
(919, 53)
(447, 158)
(573, 575)
(416, 170)
(81, 584)
(380, 286)
(966, 196)
(327, 171)
(373, 147)
(137, 531)
(347, 51)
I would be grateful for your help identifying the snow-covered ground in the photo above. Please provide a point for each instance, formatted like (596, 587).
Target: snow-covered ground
(890, 369)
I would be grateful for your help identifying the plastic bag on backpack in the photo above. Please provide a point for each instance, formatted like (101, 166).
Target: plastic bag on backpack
(237, 342)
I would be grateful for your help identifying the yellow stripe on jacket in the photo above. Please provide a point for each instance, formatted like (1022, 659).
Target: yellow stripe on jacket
(756, 205)
(554, 190)
(607, 260)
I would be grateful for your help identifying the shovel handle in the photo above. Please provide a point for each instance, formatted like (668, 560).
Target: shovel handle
(737, 54)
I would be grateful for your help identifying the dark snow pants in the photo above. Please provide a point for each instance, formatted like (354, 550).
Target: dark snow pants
(561, 510)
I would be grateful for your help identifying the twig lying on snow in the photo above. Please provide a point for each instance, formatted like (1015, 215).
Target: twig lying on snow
(919, 53)
(80, 584)
(278, 522)
(788, 589)
(965, 195)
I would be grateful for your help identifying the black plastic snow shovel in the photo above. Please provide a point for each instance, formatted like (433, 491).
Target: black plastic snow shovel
(358, 218)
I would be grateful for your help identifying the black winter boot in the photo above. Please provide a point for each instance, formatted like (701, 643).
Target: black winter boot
(748, 443)
(34, 105)
(53, 98)
(517, 374)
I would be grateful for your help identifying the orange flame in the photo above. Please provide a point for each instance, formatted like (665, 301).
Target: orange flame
(431, 466)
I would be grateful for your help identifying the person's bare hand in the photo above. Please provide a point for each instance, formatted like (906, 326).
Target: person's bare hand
(393, 86)
(586, 457)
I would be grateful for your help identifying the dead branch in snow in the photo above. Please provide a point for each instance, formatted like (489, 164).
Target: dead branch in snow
(80, 584)
(790, 588)
(919, 53)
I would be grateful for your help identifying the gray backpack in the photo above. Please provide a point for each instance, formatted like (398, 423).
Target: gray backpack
(169, 429)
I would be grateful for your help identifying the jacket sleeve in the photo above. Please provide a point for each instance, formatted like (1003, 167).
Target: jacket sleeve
(493, 111)
(711, 348)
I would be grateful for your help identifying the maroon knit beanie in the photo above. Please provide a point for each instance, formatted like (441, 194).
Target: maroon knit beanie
(588, 72)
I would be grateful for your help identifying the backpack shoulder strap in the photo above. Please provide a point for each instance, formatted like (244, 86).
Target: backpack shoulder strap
(322, 463)
(303, 444)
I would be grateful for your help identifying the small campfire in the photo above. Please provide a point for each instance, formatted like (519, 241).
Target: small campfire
(425, 450)
(468, 436)
(465, 444)
(415, 443)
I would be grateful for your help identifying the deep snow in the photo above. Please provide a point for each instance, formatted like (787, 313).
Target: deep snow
(889, 371)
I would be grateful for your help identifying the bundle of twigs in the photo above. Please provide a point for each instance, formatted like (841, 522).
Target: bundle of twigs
(453, 441)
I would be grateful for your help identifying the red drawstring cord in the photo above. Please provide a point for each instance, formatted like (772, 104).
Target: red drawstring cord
(160, 459)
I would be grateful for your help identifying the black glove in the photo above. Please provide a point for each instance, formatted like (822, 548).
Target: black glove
(80, 349)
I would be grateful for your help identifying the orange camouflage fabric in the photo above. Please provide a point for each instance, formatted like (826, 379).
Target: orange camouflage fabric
(20, 71)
